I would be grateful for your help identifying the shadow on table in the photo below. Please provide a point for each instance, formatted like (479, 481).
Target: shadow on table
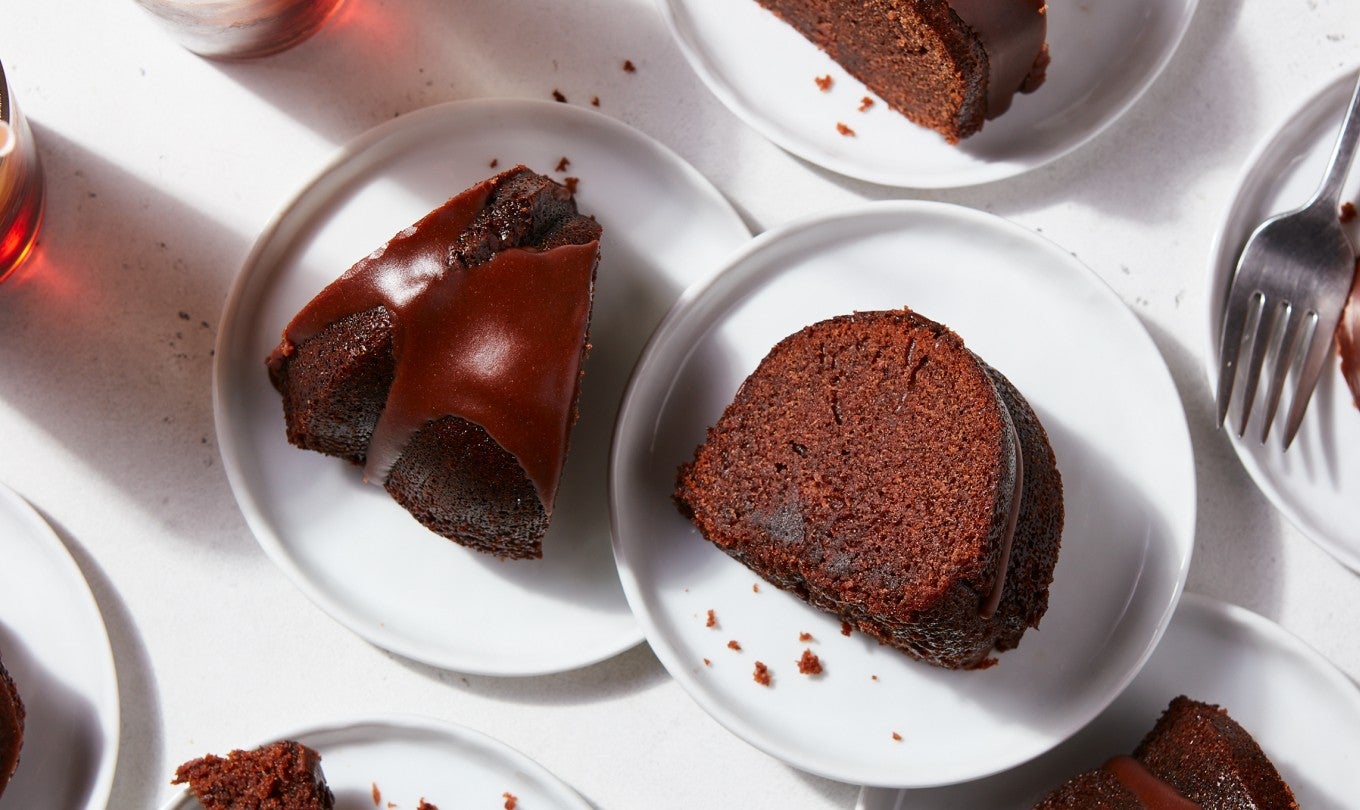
(634, 670)
(1235, 544)
(107, 338)
(138, 704)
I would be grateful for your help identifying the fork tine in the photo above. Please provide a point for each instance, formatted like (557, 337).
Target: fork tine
(1235, 316)
(1318, 347)
(1292, 332)
(1260, 341)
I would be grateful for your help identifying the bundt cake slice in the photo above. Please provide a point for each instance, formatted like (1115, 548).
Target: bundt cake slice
(11, 727)
(945, 64)
(284, 775)
(448, 362)
(876, 468)
(1196, 756)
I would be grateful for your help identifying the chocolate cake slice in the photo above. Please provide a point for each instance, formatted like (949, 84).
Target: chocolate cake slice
(945, 64)
(284, 775)
(876, 468)
(11, 727)
(1196, 756)
(448, 362)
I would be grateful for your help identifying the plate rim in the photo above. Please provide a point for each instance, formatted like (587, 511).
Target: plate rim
(990, 172)
(1209, 608)
(110, 720)
(1219, 252)
(298, 200)
(902, 208)
(426, 723)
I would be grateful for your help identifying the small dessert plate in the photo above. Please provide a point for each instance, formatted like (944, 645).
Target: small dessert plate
(1106, 53)
(401, 760)
(346, 544)
(55, 647)
(1046, 321)
(1280, 689)
(1316, 485)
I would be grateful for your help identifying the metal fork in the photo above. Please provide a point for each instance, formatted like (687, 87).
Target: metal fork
(1286, 298)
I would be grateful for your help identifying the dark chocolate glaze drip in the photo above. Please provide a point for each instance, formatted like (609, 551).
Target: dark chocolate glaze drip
(497, 344)
(1012, 33)
(1348, 339)
(1146, 787)
(993, 602)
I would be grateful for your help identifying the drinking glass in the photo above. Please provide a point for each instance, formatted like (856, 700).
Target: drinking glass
(21, 184)
(240, 29)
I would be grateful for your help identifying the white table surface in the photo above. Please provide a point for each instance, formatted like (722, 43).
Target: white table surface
(162, 169)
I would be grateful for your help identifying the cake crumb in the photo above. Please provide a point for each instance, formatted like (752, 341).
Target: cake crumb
(845, 628)
(510, 801)
(377, 795)
(755, 587)
(594, 101)
(865, 103)
(708, 663)
(557, 96)
(562, 164)
(494, 163)
(873, 677)
(391, 805)
(809, 664)
(897, 737)
(571, 183)
(733, 645)
(805, 637)
(823, 82)
(629, 67)
(762, 674)
(712, 619)
(1347, 211)
(844, 130)
(424, 805)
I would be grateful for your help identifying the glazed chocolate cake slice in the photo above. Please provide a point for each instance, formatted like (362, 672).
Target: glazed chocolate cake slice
(284, 775)
(945, 64)
(876, 468)
(1196, 756)
(11, 727)
(448, 362)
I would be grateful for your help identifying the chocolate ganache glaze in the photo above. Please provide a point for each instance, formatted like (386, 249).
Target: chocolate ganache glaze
(481, 330)
(1013, 34)
(1152, 792)
(1348, 339)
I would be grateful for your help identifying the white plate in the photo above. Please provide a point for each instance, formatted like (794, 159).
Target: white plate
(1106, 53)
(1118, 430)
(1317, 483)
(410, 758)
(347, 545)
(53, 642)
(1277, 687)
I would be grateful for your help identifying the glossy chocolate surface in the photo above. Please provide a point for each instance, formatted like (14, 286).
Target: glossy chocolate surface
(498, 344)
(1012, 32)
(1151, 792)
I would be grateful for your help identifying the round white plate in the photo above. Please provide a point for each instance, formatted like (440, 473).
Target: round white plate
(1118, 430)
(401, 760)
(1280, 690)
(347, 545)
(1316, 484)
(1106, 53)
(54, 645)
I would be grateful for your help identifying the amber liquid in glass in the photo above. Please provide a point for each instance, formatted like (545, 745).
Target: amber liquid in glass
(21, 192)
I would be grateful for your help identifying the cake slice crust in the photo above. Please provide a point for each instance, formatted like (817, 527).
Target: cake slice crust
(284, 775)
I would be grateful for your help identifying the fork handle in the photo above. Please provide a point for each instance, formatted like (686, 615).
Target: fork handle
(1343, 154)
